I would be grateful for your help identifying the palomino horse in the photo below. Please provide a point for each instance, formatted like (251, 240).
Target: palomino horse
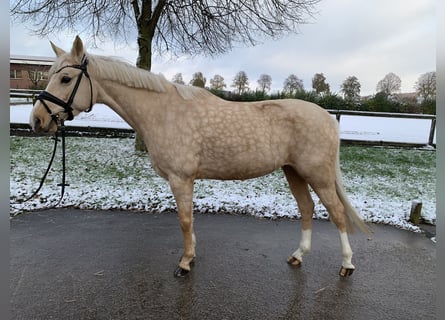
(192, 134)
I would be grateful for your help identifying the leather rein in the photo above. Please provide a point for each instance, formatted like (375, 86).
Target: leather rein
(67, 108)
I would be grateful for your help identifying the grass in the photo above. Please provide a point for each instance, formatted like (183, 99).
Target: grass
(397, 172)
(109, 174)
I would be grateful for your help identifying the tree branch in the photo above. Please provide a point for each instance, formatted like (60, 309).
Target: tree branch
(188, 26)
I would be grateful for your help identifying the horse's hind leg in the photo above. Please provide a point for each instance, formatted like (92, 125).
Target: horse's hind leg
(300, 191)
(330, 200)
(183, 192)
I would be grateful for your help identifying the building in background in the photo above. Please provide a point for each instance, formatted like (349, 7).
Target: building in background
(29, 72)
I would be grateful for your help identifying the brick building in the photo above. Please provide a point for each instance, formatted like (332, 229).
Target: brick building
(29, 72)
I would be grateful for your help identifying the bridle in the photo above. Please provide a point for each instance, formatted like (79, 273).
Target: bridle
(45, 95)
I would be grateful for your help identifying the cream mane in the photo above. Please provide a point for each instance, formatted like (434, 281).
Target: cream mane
(112, 69)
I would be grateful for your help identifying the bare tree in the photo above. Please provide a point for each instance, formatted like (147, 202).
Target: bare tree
(319, 83)
(198, 80)
(36, 77)
(217, 82)
(189, 27)
(293, 84)
(241, 82)
(351, 89)
(264, 82)
(425, 86)
(390, 84)
(177, 78)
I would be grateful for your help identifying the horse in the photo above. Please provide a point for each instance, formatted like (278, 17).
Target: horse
(192, 134)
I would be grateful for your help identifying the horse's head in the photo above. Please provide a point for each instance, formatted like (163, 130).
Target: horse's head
(69, 90)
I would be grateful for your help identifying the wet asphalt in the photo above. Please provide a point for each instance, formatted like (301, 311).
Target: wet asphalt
(76, 264)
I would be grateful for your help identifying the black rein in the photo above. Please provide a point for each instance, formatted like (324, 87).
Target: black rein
(63, 184)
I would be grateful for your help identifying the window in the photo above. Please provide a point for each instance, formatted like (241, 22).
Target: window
(15, 74)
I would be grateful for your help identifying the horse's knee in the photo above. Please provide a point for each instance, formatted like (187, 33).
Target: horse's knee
(186, 223)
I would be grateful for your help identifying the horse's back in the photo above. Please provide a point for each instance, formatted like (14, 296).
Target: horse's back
(286, 122)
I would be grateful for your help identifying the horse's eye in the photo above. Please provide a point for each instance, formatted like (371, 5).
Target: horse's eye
(65, 79)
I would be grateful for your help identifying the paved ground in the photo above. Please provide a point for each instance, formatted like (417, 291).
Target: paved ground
(72, 264)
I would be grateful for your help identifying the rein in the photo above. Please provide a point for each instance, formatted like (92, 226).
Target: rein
(45, 95)
(63, 184)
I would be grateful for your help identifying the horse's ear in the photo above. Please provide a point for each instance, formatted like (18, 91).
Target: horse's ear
(77, 49)
(57, 50)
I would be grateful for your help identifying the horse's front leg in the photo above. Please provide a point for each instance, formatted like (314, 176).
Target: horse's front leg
(183, 191)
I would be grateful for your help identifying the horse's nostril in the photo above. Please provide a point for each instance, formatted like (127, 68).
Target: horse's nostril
(36, 124)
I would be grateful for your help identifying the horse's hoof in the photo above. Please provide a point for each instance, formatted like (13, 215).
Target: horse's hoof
(293, 261)
(180, 272)
(345, 272)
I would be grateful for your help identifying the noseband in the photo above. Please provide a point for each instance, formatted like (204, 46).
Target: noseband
(45, 95)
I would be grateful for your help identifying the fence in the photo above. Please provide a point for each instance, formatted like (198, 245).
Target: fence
(339, 113)
(22, 95)
(29, 95)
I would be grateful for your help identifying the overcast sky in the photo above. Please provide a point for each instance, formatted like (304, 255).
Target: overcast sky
(362, 38)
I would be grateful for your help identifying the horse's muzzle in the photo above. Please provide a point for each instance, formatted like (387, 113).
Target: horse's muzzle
(41, 122)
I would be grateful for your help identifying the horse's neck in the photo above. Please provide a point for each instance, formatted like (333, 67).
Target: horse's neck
(129, 103)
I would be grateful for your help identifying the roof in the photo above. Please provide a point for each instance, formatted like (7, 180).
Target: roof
(22, 59)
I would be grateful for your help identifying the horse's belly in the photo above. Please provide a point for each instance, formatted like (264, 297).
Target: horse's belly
(232, 174)
(238, 167)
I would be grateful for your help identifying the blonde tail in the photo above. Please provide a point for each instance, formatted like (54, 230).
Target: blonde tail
(353, 218)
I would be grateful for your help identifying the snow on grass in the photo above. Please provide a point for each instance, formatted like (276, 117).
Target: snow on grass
(108, 174)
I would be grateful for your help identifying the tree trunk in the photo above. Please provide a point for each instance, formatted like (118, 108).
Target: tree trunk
(144, 62)
(146, 20)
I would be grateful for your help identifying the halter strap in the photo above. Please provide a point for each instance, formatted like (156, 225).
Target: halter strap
(45, 95)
